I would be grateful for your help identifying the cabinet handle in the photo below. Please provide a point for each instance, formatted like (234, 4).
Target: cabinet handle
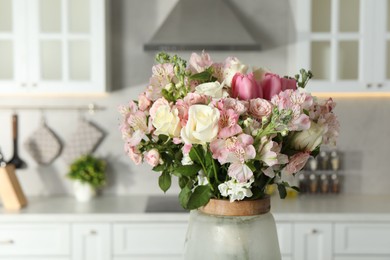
(313, 231)
(23, 84)
(380, 85)
(369, 85)
(7, 242)
(34, 85)
(93, 232)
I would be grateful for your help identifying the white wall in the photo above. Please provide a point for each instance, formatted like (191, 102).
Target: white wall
(364, 125)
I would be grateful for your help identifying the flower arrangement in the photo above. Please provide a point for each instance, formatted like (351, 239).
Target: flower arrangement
(223, 131)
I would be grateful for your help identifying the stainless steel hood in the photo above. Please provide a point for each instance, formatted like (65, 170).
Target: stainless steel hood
(202, 25)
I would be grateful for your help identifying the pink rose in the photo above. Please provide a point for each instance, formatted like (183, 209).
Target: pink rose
(245, 87)
(296, 163)
(273, 84)
(152, 157)
(260, 108)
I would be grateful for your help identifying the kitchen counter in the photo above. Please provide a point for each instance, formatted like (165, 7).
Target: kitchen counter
(166, 208)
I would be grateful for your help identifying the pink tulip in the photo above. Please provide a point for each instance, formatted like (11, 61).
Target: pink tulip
(245, 87)
(273, 84)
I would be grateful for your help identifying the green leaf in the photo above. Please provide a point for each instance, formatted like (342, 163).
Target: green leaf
(282, 191)
(199, 197)
(295, 188)
(159, 168)
(202, 76)
(163, 138)
(184, 196)
(188, 170)
(197, 154)
(164, 181)
(183, 181)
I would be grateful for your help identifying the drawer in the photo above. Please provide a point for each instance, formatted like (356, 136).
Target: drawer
(151, 239)
(285, 237)
(34, 239)
(362, 238)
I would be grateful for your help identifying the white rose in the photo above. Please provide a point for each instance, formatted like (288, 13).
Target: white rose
(233, 65)
(213, 89)
(308, 140)
(202, 125)
(166, 121)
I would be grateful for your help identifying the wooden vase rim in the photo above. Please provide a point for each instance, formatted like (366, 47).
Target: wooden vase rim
(221, 207)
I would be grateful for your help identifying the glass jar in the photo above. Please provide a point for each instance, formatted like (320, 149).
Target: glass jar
(247, 231)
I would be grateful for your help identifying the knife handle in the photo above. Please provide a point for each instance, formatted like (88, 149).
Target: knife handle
(14, 126)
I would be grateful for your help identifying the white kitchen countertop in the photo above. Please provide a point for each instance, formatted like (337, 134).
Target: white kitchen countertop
(340, 207)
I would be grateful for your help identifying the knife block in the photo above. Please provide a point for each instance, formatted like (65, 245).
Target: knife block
(11, 192)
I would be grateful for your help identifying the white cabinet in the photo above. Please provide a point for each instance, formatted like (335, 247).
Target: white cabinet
(33, 240)
(313, 241)
(285, 236)
(91, 241)
(52, 46)
(370, 239)
(149, 240)
(345, 43)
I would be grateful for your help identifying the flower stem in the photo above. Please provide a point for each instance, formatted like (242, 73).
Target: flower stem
(204, 169)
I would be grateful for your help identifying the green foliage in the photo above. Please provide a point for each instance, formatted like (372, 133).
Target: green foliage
(303, 78)
(164, 181)
(88, 169)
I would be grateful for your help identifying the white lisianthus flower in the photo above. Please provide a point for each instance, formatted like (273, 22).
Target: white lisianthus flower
(213, 89)
(166, 121)
(309, 139)
(236, 190)
(202, 125)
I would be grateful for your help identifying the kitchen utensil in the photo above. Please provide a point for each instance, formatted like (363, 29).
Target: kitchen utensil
(11, 192)
(16, 160)
(43, 145)
(83, 141)
(3, 163)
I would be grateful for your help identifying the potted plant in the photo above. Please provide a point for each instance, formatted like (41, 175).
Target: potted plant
(88, 173)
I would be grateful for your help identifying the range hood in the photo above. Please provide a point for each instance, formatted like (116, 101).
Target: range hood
(202, 25)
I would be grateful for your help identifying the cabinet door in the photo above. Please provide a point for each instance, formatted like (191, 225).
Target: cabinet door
(66, 46)
(313, 241)
(12, 45)
(91, 242)
(381, 28)
(332, 41)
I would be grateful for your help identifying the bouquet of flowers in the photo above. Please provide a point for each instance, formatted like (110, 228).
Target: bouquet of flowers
(223, 131)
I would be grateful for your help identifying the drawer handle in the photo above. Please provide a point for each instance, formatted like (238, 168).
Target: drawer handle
(93, 232)
(313, 231)
(7, 242)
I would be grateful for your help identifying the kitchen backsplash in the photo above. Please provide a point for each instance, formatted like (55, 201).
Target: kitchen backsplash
(364, 128)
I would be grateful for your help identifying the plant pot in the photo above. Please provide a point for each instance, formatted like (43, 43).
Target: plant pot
(83, 191)
(239, 230)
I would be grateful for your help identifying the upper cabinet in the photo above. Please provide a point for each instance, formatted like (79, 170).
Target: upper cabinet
(52, 46)
(346, 43)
